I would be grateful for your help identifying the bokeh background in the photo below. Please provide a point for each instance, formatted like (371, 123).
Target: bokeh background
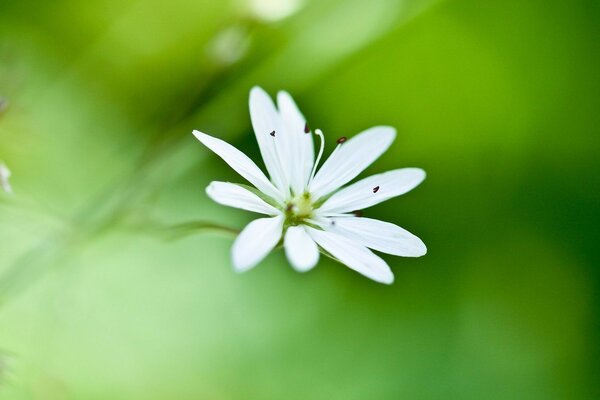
(497, 100)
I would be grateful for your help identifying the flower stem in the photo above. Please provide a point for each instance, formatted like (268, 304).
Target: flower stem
(170, 232)
(178, 231)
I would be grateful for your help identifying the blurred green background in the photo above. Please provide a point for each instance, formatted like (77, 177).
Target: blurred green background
(497, 100)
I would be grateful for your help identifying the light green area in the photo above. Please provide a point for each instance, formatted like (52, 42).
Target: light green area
(497, 100)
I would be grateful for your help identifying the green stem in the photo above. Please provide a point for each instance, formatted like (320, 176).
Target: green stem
(178, 231)
(170, 232)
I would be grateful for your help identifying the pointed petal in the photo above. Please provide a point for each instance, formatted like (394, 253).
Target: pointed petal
(302, 150)
(257, 239)
(373, 190)
(268, 130)
(240, 163)
(355, 256)
(351, 158)
(300, 249)
(232, 195)
(379, 235)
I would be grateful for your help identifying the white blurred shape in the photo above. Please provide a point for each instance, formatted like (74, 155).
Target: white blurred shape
(229, 45)
(3, 105)
(274, 10)
(4, 176)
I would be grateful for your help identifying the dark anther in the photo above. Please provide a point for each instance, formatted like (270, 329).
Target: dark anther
(375, 189)
(289, 207)
(342, 140)
(357, 213)
(272, 133)
(306, 128)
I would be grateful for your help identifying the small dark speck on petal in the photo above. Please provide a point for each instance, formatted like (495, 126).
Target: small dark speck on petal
(272, 133)
(332, 223)
(306, 128)
(375, 189)
(342, 140)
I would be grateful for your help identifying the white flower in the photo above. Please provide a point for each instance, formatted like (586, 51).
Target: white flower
(4, 176)
(310, 208)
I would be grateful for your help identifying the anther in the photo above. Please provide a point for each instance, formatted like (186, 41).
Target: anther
(357, 213)
(342, 140)
(375, 189)
(306, 128)
(289, 207)
(272, 133)
(321, 148)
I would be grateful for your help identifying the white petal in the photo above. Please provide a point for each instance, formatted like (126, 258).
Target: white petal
(302, 147)
(241, 163)
(355, 256)
(268, 130)
(300, 249)
(373, 190)
(379, 235)
(351, 158)
(257, 239)
(232, 195)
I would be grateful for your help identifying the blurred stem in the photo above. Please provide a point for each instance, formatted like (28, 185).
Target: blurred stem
(172, 232)
(56, 249)
(178, 231)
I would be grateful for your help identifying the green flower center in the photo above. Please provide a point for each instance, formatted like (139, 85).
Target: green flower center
(298, 209)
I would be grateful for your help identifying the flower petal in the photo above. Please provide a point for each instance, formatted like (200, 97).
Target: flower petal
(255, 241)
(232, 195)
(354, 255)
(373, 190)
(379, 235)
(268, 130)
(300, 249)
(302, 148)
(241, 163)
(351, 158)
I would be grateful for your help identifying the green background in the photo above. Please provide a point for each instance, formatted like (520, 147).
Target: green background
(497, 100)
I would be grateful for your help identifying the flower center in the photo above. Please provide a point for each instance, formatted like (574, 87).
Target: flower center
(298, 209)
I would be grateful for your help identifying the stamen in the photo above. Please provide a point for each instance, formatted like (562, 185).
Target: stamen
(342, 140)
(375, 189)
(319, 133)
(357, 213)
(272, 133)
(306, 128)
